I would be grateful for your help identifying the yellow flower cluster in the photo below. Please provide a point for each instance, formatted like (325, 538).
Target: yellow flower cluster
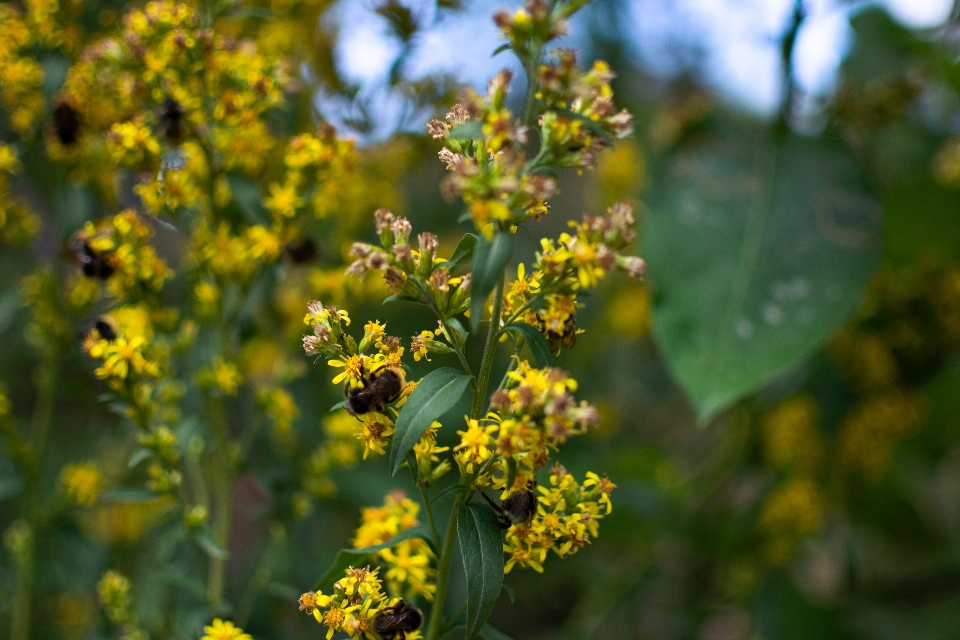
(568, 515)
(220, 630)
(790, 438)
(547, 297)
(342, 351)
(150, 88)
(792, 512)
(117, 250)
(356, 600)
(81, 483)
(413, 274)
(124, 345)
(491, 172)
(222, 376)
(228, 255)
(408, 570)
(18, 223)
(870, 433)
(316, 166)
(44, 25)
(533, 414)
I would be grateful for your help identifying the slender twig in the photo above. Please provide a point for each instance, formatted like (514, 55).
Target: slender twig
(221, 469)
(787, 45)
(429, 509)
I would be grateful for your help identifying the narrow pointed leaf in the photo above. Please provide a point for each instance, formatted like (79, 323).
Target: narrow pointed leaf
(452, 490)
(536, 343)
(438, 392)
(356, 557)
(482, 549)
(489, 261)
(462, 255)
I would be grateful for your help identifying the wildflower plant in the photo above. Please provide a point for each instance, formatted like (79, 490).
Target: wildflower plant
(504, 169)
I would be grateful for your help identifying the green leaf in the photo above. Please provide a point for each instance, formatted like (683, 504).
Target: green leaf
(506, 46)
(414, 468)
(210, 547)
(356, 557)
(467, 130)
(449, 492)
(462, 255)
(758, 250)
(489, 633)
(139, 456)
(438, 392)
(482, 548)
(128, 494)
(402, 298)
(510, 592)
(489, 261)
(511, 471)
(338, 406)
(536, 343)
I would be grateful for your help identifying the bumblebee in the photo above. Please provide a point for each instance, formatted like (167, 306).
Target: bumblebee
(300, 251)
(517, 508)
(393, 623)
(566, 339)
(92, 263)
(66, 123)
(382, 387)
(171, 115)
(106, 327)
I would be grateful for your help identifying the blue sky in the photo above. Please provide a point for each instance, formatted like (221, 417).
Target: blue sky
(738, 38)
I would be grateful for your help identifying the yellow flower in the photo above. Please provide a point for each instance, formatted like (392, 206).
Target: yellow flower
(81, 482)
(353, 368)
(220, 630)
(284, 200)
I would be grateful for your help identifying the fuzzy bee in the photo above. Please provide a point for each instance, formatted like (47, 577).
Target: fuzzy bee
(517, 508)
(393, 623)
(92, 263)
(66, 123)
(300, 251)
(566, 338)
(106, 327)
(171, 115)
(382, 387)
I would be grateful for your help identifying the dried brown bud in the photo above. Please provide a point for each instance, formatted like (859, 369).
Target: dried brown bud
(437, 129)
(392, 342)
(378, 260)
(458, 115)
(500, 400)
(314, 307)
(401, 229)
(394, 279)
(310, 345)
(636, 266)
(428, 242)
(384, 218)
(622, 124)
(606, 257)
(440, 280)
(360, 250)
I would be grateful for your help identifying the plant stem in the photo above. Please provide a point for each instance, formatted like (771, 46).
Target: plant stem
(489, 349)
(443, 572)
(429, 510)
(221, 468)
(20, 613)
(446, 328)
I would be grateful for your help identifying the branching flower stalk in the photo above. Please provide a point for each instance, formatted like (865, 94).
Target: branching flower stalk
(513, 434)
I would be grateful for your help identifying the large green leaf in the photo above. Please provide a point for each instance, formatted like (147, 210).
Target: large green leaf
(758, 250)
(356, 557)
(489, 261)
(435, 395)
(482, 549)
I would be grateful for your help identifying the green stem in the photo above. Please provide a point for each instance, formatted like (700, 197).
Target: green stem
(20, 614)
(221, 469)
(453, 618)
(489, 349)
(446, 328)
(429, 510)
(443, 572)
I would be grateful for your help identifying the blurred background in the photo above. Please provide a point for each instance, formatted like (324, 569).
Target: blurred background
(780, 399)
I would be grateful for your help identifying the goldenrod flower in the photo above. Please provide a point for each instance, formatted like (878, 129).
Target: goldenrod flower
(220, 630)
(81, 482)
